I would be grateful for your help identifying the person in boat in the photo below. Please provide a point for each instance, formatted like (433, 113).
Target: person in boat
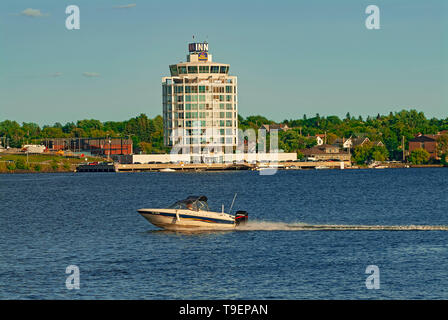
(189, 205)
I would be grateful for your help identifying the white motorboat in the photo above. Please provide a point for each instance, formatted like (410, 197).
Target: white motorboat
(167, 170)
(193, 213)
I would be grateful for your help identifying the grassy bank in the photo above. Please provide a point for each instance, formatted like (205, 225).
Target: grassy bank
(35, 163)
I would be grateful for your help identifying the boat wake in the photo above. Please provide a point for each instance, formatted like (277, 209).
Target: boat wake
(284, 226)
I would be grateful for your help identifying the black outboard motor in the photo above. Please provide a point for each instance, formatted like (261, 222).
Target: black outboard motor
(241, 217)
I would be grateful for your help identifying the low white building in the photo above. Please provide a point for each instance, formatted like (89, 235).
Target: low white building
(33, 148)
(207, 158)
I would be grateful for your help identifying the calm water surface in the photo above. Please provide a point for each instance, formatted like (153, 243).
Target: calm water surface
(50, 221)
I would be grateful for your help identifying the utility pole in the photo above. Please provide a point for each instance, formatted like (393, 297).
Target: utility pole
(402, 147)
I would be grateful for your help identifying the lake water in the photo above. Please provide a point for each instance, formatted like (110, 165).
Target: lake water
(51, 221)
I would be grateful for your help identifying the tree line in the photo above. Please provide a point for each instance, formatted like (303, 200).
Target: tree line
(147, 134)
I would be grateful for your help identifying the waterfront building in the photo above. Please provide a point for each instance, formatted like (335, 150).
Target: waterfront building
(427, 142)
(106, 146)
(200, 104)
(326, 152)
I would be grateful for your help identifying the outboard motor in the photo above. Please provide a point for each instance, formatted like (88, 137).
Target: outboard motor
(241, 217)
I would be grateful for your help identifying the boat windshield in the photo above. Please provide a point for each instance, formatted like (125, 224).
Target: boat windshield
(191, 203)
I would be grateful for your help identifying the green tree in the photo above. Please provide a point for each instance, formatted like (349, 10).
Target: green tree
(379, 153)
(11, 166)
(419, 156)
(444, 160)
(20, 164)
(361, 154)
(54, 165)
(442, 144)
(66, 165)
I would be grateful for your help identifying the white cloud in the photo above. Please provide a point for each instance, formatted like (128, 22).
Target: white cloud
(91, 74)
(33, 13)
(131, 5)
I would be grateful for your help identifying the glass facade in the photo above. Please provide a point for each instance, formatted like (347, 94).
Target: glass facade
(200, 104)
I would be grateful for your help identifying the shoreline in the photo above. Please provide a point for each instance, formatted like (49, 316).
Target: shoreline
(21, 171)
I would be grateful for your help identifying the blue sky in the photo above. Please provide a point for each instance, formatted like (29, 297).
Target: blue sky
(291, 57)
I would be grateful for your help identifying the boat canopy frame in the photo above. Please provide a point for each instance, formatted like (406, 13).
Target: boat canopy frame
(195, 203)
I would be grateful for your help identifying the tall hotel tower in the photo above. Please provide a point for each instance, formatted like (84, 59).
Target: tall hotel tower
(200, 103)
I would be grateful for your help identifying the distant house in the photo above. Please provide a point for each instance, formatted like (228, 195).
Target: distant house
(320, 139)
(355, 142)
(275, 126)
(343, 143)
(427, 142)
(326, 152)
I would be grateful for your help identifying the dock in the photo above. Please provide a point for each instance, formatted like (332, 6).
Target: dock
(137, 167)
(227, 166)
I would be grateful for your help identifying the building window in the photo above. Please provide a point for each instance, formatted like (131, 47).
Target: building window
(182, 69)
(201, 89)
(229, 115)
(223, 69)
(201, 98)
(215, 69)
(228, 89)
(228, 106)
(203, 69)
(192, 69)
(168, 88)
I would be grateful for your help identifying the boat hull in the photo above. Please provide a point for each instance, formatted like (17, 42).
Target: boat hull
(185, 220)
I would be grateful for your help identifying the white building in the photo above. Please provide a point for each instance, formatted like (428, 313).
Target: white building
(223, 158)
(200, 104)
